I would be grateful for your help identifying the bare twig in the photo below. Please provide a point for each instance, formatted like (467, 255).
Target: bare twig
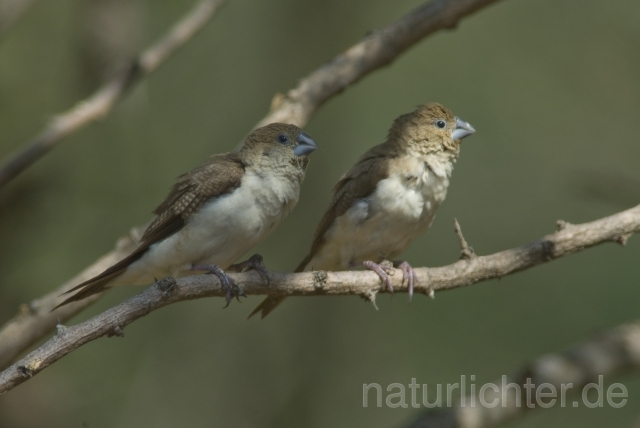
(466, 252)
(98, 105)
(11, 11)
(366, 56)
(376, 50)
(461, 273)
(608, 354)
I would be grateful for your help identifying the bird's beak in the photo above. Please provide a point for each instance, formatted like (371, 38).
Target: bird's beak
(305, 146)
(463, 129)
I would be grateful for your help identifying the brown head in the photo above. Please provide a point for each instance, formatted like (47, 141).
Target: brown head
(277, 145)
(430, 128)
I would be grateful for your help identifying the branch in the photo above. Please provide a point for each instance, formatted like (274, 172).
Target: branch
(11, 11)
(98, 105)
(36, 319)
(378, 49)
(570, 239)
(297, 106)
(610, 353)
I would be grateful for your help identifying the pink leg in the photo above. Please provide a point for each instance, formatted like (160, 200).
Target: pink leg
(384, 276)
(407, 275)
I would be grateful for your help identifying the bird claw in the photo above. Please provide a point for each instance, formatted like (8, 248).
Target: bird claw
(254, 262)
(380, 270)
(407, 275)
(226, 282)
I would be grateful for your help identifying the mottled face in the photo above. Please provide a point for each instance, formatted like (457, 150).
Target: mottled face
(279, 143)
(431, 128)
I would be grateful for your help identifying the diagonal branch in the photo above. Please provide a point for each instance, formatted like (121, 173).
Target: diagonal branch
(35, 320)
(378, 49)
(98, 105)
(570, 239)
(374, 51)
(610, 353)
(11, 11)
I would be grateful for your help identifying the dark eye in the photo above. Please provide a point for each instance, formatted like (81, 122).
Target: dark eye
(441, 124)
(282, 138)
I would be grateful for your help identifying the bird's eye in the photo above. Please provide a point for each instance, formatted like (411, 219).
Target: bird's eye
(441, 124)
(282, 139)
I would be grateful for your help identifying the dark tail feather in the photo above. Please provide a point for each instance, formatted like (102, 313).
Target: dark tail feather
(98, 283)
(272, 302)
(89, 289)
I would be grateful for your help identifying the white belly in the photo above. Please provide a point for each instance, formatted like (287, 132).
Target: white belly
(383, 225)
(221, 232)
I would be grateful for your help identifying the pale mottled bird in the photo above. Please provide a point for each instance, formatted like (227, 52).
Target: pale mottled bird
(388, 198)
(217, 212)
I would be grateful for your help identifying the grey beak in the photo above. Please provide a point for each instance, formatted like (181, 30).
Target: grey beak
(305, 146)
(463, 129)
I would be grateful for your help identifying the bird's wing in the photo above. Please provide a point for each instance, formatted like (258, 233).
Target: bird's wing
(357, 183)
(221, 176)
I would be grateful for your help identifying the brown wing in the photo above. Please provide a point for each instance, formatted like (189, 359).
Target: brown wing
(357, 183)
(220, 176)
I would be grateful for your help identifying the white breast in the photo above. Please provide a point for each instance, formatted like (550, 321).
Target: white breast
(222, 231)
(383, 225)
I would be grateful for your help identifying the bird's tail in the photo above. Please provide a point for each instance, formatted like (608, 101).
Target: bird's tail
(272, 302)
(99, 283)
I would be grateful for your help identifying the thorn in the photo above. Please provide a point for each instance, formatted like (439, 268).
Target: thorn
(60, 329)
(431, 293)
(622, 239)
(562, 225)
(370, 296)
(467, 252)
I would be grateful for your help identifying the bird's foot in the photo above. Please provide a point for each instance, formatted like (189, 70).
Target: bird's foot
(382, 270)
(407, 275)
(254, 262)
(227, 283)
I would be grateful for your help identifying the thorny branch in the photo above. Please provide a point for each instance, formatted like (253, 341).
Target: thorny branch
(98, 105)
(608, 354)
(374, 51)
(570, 239)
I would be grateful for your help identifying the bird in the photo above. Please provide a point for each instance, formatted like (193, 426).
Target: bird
(387, 199)
(216, 213)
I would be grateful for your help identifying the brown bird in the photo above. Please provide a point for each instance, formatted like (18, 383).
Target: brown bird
(217, 212)
(388, 198)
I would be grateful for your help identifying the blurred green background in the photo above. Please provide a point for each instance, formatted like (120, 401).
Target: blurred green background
(553, 88)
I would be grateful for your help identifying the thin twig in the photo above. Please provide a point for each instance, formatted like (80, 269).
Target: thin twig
(98, 105)
(362, 283)
(467, 252)
(26, 328)
(608, 354)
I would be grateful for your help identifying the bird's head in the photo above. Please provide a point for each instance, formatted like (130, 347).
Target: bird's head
(278, 144)
(430, 129)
